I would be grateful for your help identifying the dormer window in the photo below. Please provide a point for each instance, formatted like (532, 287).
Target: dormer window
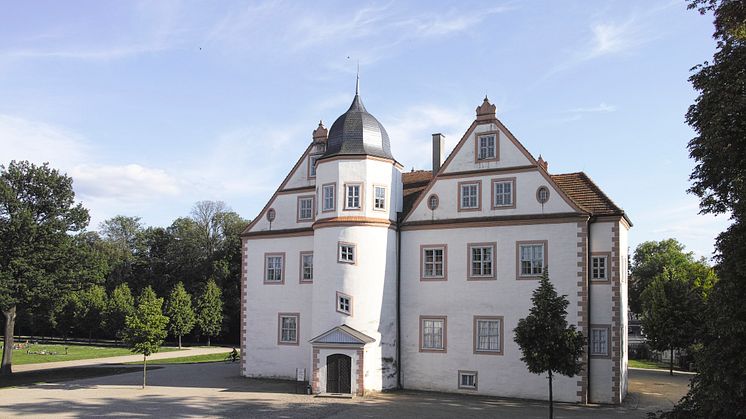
(486, 146)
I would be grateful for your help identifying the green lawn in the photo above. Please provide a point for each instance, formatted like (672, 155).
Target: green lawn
(56, 353)
(647, 364)
(63, 374)
(196, 359)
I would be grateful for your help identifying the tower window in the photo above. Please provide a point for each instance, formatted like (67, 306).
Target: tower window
(353, 196)
(344, 303)
(346, 253)
(379, 198)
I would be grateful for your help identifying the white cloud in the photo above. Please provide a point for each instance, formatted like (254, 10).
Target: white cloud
(601, 108)
(22, 139)
(129, 182)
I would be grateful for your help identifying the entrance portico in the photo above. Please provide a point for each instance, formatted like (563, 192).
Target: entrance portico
(337, 358)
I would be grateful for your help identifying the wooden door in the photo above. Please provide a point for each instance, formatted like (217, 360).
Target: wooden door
(338, 374)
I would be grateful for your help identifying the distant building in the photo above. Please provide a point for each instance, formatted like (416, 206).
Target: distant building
(370, 278)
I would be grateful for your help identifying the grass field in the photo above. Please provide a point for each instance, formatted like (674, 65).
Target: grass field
(63, 374)
(196, 359)
(647, 364)
(43, 353)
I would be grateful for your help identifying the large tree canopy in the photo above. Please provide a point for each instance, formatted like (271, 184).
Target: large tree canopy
(38, 255)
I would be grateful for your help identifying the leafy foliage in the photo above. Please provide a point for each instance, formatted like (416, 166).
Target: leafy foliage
(210, 310)
(179, 310)
(145, 329)
(547, 342)
(120, 305)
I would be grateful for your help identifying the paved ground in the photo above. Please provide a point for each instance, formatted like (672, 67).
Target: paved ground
(216, 390)
(120, 359)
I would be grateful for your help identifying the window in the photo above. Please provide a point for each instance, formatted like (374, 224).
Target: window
(433, 266)
(542, 195)
(467, 380)
(271, 214)
(486, 146)
(503, 193)
(346, 253)
(600, 340)
(599, 268)
(379, 198)
(469, 196)
(481, 261)
(274, 265)
(353, 198)
(344, 303)
(288, 327)
(305, 208)
(488, 335)
(312, 164)
(531, 258)
(328, 201)
(306, 267)
(432, 334)
(432, 202)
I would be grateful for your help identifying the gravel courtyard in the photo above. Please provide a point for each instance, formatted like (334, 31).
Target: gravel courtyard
(216, 390)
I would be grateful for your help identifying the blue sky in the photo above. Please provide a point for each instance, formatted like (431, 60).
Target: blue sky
(154, 105)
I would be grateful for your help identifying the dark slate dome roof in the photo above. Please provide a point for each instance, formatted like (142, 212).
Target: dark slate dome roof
(358, 132)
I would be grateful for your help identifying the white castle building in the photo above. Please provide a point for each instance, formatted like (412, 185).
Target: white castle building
(370, 278)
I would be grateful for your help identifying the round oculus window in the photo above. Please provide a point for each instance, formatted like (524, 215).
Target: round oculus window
(542, 194)
(271, 214)
(433, 201)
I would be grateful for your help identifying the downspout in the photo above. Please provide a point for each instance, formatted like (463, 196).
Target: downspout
(588, 309)
(398, 304)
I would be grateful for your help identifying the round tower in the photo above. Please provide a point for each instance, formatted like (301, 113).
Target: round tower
(359, 189)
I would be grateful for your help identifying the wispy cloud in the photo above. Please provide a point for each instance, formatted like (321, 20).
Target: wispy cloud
(601, 108)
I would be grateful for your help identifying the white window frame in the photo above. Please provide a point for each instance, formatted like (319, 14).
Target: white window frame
(477, 196)
(379, 203)
(281, 340)
(486, 146)
(274, 267)
(600, 267)
(309, 201)
(347, 253)
(429, 344)
(507, 199)
(479, 339)
(330, 198)
(473, 385)
(483, 262)
(534, 271)
(306, 271)
(429, 274)
(312, 165)
(344, 303)
(600, 340)
(350, 198)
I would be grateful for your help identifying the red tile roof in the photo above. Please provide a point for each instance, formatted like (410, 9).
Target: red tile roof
(577, 186)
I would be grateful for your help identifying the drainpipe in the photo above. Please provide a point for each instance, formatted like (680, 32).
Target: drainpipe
(588, 299)
(398, 303)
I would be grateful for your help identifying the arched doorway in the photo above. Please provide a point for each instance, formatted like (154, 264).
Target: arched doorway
(338, 374)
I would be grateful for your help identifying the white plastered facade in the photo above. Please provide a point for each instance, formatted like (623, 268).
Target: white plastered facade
(395, 356)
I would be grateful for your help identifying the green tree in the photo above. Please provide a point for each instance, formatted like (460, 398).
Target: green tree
(548, 344)
(121, 304)
(90, 317)
(672, 312)
(179, 310)
(718, 117)
(649, 261)
(210, 311)
(39, 259)
(145, 329)
(64, 314)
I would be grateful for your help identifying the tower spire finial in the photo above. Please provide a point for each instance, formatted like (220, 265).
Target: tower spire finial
(357, 81)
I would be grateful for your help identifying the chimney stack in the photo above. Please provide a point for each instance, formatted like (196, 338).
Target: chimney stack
(543, 163)
(439, 141)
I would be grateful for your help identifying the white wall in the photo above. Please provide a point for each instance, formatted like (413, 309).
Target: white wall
(510, 155)
(460, 300)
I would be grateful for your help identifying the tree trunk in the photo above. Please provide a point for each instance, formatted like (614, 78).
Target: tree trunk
(208, 340)
(6, 368)
(144, 369)
(179, 341)
(670, 364)
(551, 401)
